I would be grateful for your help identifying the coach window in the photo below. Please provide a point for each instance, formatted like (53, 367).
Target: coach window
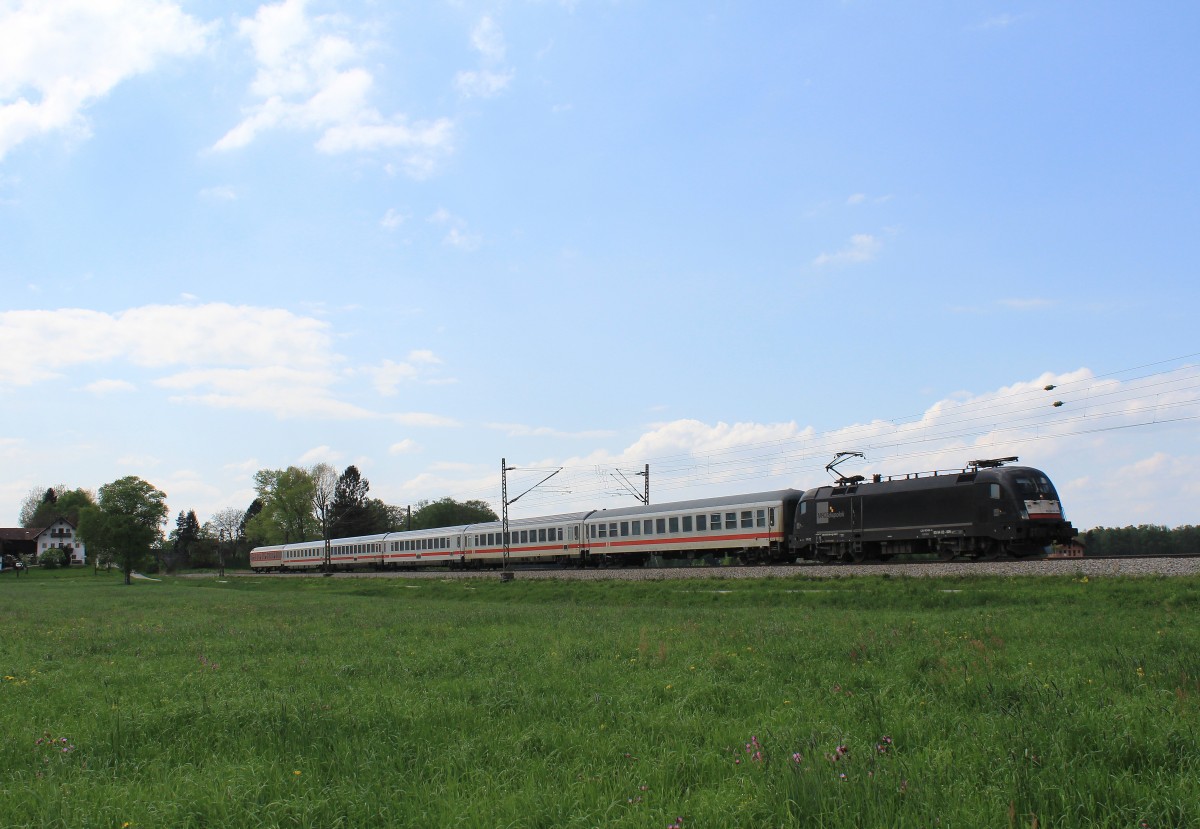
(524, 537)
(624, 528)
(660, 526)
(995, 491)
(687, 523)
(731, 520)
(637, 527)
(701, 523)
(604, 530)
(747, 518)
(714, 521)
(648, 527)
(542, 534)
(674, 523)
(591, 530)
(760, 518)
(612, 530)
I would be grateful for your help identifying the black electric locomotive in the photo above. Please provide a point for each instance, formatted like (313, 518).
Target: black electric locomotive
(984, 511)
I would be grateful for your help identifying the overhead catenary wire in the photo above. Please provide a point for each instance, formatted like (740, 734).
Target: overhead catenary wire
(1003, 418)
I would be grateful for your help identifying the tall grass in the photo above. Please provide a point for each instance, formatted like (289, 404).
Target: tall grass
(785, 702)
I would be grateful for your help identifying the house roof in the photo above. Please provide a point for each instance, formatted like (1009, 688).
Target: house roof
(20, 533)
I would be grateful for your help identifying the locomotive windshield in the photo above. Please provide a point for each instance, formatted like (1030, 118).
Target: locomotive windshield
(1035, 487)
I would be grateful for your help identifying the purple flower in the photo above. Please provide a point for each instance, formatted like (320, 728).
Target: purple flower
(796, 758)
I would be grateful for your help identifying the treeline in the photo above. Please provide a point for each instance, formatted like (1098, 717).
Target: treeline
(297, 504)
(1143, 540)
(290, 505)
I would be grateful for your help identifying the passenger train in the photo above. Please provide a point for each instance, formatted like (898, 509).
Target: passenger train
(985, 510)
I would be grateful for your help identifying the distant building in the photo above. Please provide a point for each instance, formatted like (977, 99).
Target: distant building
(31, 542)
(1072, 550)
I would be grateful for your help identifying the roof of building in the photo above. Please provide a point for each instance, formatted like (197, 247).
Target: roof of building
(20, 533)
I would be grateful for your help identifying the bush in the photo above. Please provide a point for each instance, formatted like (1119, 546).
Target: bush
(54, 557)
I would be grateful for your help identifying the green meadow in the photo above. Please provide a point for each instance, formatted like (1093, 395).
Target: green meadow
(860, 702)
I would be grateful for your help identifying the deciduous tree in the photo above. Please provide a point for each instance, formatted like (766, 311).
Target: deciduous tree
(287, 513)
(446, 512)
(126, 521)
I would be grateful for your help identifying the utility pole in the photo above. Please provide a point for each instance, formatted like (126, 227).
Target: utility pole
(645, 497)
(504, 470)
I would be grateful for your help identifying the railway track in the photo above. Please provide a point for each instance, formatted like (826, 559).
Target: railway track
(1092, 567)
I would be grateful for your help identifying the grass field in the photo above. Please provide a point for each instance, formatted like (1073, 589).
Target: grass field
(787, 702)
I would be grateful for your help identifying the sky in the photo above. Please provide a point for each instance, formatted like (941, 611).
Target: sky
(727, 240)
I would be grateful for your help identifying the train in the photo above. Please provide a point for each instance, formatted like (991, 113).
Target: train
(986, 510)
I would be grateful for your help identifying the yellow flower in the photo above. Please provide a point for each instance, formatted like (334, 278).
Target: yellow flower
(296, 772)
(668, 687)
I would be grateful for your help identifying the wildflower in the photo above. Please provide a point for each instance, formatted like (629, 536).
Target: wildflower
(296, 772)
(1141, 672)
(796, 758)
(842, 776)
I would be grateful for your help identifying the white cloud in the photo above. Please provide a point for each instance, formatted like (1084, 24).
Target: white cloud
(389, 375)
(320, 454)
(424, 419)
(457, 235)
(488, 40)
(489, 80)
(863, 247)
(456, 238)
(309, 79)
(282, 391)
(521, 430)
(109, 386)
(403, 447)
(393, 219)
(1103, 447)
(58, 58)
(38, 345)
(482, 83)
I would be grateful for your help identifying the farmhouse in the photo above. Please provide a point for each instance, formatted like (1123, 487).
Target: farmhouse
(29, 543)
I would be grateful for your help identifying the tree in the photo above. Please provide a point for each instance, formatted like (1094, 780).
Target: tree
(446, 512)
(287, 512)
(42, 506)
(324, 478)
(126, 521)
(349, 515)
(228, 525)
(184, 539)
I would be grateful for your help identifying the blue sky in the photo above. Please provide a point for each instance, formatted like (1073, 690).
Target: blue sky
(724, 239)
